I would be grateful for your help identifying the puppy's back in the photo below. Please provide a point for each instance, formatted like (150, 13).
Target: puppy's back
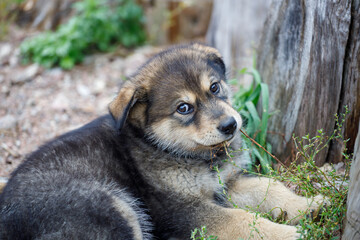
(67, 190)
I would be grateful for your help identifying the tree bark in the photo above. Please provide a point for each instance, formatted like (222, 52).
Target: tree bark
(352, 224)
(309, 57)
(44, 14)
(350, 90)
(235, 29)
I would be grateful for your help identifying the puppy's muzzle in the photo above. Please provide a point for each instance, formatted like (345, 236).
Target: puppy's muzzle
(228, 126)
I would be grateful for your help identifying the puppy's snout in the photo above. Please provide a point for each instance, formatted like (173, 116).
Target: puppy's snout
(228, 126)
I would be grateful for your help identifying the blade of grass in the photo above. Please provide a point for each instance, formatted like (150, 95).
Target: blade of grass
(265, 113)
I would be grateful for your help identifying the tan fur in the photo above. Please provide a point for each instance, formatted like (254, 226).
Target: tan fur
(267, 195)
(132, 220)
(2, 185)
(126, 94)
(244, 225)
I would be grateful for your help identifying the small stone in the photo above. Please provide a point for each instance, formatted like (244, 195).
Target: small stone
(61, 102)
(28, 74)
(5, 89)
(5, 51)
(8, 122)
(99, 86)
(83, 90)
(55, 73)
(338, 166)
(15, 58)
(326, 168)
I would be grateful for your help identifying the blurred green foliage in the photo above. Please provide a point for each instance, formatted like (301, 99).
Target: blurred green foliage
(97, 25)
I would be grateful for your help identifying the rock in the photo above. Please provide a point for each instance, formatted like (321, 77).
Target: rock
(61, 102)
(15, 58)
(5, 51)
(99, 86)
(55, 73)
(7, 122)
(338, 166)
(83, 90)
(5, 89)
(28, 74)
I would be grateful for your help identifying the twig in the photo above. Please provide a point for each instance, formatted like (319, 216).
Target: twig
(253, 141)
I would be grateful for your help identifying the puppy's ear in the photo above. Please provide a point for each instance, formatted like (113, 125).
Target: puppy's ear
(212, 54)
(216, 59)
(119, 108)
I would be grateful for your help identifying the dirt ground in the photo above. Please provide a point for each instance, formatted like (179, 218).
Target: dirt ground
(38, 104)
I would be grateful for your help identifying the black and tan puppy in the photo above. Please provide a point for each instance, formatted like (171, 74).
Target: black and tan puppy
(144, 171)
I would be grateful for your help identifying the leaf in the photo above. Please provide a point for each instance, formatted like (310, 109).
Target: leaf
(265, 113)
(253, 113)
(263, 160)
(243, 70)
(67, 62)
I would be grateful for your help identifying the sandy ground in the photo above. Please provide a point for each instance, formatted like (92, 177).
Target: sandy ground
(38, 104)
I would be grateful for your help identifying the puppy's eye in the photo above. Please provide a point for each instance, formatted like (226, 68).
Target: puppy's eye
(215, 88)
(185, 108)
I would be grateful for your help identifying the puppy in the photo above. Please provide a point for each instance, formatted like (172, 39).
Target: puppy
(146, 170)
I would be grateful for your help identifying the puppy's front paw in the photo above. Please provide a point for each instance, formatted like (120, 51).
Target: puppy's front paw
(288, 233)
(306, 207)
(280, 232)
(320, 203)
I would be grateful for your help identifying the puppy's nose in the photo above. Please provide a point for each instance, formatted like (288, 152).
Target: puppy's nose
(228, 126)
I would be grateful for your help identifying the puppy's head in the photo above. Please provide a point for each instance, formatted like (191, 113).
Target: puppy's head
(181, 102)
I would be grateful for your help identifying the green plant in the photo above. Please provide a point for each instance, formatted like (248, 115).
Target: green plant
(245, 101)
(201, 234)
(311, 180)
(7, 15)
(97, 25)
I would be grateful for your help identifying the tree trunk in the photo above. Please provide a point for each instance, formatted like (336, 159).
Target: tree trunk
(352, 225)
(44, 14)
(235, 29)
(350, 90)
(309, 56)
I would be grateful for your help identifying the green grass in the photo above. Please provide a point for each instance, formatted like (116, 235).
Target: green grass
(201, 234)
(312, 180)
(246, 101)
(98, 25)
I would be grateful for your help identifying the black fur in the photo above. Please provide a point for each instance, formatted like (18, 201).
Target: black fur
(62, 191)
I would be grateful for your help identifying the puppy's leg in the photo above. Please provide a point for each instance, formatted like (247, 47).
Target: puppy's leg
(270, 195)
(229, 224)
